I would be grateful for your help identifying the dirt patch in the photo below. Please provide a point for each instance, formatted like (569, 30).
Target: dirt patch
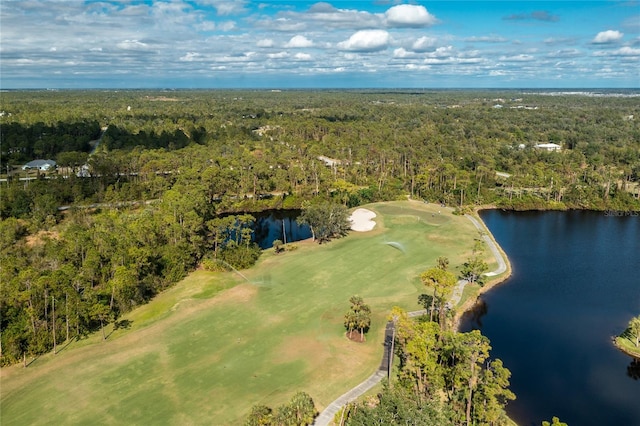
(162, 99)
(354, 336)
(239, 293)
(39, 238)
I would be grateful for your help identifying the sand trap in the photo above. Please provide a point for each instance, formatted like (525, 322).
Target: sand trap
(361, 220)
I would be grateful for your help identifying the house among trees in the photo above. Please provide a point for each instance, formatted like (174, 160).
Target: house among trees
(329, 162)
(548, 146)
(42, 165)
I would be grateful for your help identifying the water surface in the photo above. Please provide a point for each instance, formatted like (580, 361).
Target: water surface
(280, 225)
(575, 283)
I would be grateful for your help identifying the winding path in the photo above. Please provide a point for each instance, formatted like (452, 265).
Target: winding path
(502, 264)
(328, 414)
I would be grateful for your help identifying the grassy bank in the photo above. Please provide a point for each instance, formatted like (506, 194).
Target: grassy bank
(626, 343)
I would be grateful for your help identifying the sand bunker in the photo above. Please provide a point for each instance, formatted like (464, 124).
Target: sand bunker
(361, 220)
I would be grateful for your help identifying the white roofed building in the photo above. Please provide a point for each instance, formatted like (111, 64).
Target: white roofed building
(42, 165)
(548, 146)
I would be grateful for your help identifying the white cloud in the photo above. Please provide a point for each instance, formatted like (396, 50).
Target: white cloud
(609, 36)
(627, 51)
(331, 17)
(564, 53)
(302, 56)
(623, 51)
(366, 41)
(299, 41)
(441, 52)
(321, 16)
(226, 7)
(132, 45)
(265, 42)
(423, 44)
(401, 53)
(517, 58)
(190, 56)
(408, 15)
(281, 24)
(279, 55)
(227, 26)
(206, 26)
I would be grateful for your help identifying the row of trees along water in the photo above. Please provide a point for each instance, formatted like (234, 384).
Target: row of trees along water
(170, 165)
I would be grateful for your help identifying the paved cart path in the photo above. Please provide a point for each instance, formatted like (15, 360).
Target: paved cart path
(326, 417)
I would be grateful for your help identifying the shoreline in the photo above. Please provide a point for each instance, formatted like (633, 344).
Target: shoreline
(472, 301)
(634, 355)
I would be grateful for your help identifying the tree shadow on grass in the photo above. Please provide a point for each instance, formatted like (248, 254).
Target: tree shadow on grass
(67, 343)
(124, 324)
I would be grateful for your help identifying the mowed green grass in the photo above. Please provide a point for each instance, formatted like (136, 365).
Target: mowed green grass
(207, 350)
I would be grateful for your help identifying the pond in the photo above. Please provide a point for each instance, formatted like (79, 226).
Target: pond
(575, 284)
(278, 225)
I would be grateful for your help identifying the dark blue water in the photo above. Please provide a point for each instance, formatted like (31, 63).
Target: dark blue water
(272, 225)
(575, 284)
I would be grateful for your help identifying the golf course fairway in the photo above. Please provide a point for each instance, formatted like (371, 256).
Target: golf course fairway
(214, 345)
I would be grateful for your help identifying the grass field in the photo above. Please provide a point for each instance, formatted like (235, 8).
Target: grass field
(207, 350)
(627, 343)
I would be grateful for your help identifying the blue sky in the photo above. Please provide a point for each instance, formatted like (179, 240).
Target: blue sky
(304, 44)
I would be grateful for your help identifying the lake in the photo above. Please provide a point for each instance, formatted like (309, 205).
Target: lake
(575, 284)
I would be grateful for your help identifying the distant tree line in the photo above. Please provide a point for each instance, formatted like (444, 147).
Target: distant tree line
(22, 143)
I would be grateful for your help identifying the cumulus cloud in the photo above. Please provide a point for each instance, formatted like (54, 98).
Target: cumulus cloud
(366, 41)
(226, 7)
(265, 42)
(227, 26)
(623, 51)
(302, 56)
(609, 36)
(402, 53)
(409, 15)
(423, 44)
(441, 52)
(299, 41)
(279, 55)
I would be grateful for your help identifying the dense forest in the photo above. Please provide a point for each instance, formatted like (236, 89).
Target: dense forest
(151, 184)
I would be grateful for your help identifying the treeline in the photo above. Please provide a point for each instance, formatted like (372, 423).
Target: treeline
(22, 143)
(444, 378)
(442, 146)
(96, 265)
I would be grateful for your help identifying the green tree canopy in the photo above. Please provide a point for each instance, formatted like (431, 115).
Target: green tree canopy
(326, 220)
